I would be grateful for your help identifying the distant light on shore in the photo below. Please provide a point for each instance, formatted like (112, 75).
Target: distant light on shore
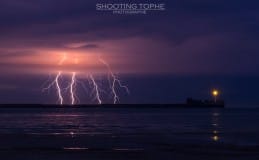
(215, 92)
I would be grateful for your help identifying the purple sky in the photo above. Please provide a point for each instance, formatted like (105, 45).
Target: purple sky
(203, 37)
(191, 37)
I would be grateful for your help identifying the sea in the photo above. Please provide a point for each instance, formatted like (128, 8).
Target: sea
(129, 133)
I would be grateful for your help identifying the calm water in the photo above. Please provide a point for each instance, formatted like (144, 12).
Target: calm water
(147, 133)
(129, 128)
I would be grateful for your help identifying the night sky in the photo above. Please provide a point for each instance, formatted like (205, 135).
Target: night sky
(162, 56)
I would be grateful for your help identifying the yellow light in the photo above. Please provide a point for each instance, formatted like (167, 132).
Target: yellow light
(215, 93)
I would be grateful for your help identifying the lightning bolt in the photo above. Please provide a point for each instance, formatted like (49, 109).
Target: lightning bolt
(73, 88)
(96, 89)
(115, 81)
(58, 88)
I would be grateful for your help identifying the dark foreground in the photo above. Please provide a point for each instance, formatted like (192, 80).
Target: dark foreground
(105, 147)
(129, 133)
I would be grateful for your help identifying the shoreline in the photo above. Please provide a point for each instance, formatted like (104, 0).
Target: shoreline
(112, 106)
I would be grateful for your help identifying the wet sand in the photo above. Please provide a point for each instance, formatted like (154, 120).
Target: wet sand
(48, 147)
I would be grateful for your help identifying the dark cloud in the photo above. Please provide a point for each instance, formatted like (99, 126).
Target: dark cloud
(216, 33)
(8, 54)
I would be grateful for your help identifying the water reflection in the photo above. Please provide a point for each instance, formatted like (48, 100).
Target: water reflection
(66, 124)
(215, 138)
(72, 134)
(124, 128)
(215, 126)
